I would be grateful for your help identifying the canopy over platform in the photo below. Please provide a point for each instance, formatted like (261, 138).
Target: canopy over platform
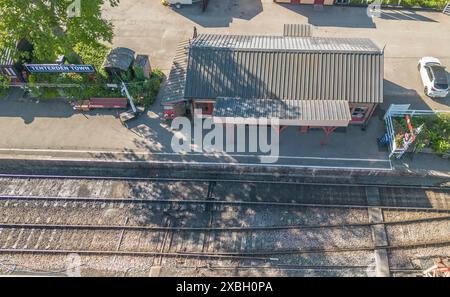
(119, 59)
(317, 113)
(173, 91)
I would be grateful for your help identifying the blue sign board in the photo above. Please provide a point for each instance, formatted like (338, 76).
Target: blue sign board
(59, 68)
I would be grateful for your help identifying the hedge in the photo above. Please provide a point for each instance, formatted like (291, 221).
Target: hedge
(4, 85)
(438, 4)
(143, 90)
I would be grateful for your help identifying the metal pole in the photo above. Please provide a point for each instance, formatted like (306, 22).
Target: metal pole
(125, 90)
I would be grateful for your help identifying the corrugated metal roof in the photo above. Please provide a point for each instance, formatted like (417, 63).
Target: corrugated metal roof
(220, 72)
(305, 110)
(173, 90)
(6, 57)
(297, 30)
(281, 43)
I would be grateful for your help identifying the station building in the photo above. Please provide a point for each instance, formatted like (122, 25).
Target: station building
(303, 81)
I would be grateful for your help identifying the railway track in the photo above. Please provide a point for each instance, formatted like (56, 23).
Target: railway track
(95, 239)
(220, 202)
(253, 255)
(217, 180)
(355, 270)
(253, 191)
(170, 238)
(212, 228)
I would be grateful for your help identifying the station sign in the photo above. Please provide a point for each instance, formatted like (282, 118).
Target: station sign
(59, 68)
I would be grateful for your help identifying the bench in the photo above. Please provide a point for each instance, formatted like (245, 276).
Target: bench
(108, 103)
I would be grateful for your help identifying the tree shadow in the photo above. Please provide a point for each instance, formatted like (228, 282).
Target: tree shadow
(220, 13)
(252, 241)
(351, 17)
(330, 16)
(29, 109)
(404, 15)
(396, 94)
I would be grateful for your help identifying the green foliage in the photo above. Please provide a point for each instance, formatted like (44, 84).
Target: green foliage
(435, 133)
(139, 74)
(93, 55)
(145, 91)
(51, 30)
(439, 4)
(79, 38)
(87, 85)
(74, 58)
(4, 85)
(4, 82)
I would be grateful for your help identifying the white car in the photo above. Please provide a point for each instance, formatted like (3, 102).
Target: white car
(434, 77)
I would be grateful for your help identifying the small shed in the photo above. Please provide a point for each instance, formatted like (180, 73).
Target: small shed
(142, 66)
(119, 60)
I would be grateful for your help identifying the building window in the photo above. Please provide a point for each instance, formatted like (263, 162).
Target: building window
(360, 113)
(207, 108)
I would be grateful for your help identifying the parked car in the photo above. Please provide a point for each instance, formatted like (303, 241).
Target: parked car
(434, 77)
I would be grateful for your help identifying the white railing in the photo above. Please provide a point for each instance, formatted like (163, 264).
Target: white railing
(447, 9)
(125, 92)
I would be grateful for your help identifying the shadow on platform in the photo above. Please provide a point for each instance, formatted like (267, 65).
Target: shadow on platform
(220, 13)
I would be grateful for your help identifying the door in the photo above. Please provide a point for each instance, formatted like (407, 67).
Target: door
(318, 2)
(295, 1)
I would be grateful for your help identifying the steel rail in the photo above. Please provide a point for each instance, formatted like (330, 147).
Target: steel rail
(299, 267)
(217, 202)
(232, 228)
(236, 255)
(177, 179)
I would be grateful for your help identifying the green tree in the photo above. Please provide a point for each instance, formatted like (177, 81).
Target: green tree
(50, 26)
(4, 85)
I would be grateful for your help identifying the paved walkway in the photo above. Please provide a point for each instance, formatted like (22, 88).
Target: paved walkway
(53, 130)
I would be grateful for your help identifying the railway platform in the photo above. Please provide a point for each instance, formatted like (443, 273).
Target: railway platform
(53, 131)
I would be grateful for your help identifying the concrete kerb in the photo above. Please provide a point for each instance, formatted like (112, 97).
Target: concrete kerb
(143, 169)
